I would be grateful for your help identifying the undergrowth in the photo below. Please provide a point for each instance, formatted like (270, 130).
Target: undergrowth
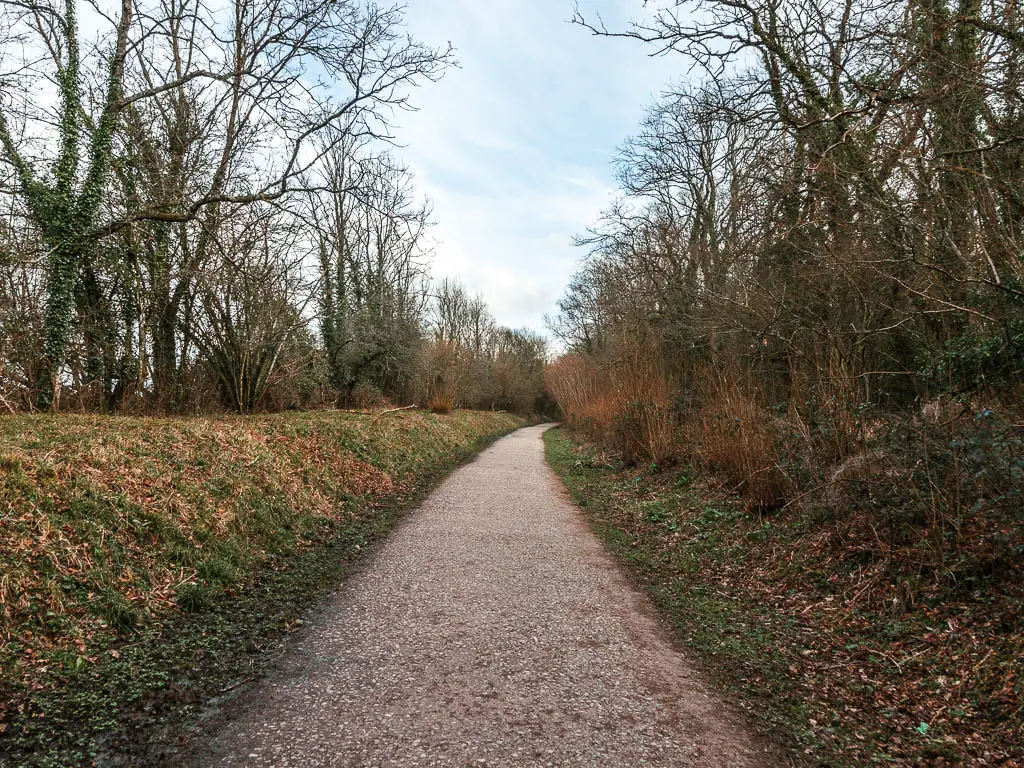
(848, 651)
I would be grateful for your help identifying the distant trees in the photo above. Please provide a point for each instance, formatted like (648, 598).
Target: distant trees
(471, 359)
(199, 206)
(836, 204)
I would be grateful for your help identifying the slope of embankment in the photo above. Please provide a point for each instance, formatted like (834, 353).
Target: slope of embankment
(149, 564)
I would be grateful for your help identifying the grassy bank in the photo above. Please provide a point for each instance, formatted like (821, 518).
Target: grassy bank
(149, 564)
(845, 663)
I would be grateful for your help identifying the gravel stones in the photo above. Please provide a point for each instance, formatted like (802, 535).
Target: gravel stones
(491, 629)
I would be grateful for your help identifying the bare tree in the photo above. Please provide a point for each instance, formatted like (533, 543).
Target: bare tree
(248, 101)
(835, 194)
(369, 228)
(252, 298)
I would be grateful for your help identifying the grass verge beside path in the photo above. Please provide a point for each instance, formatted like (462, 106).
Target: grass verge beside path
(807, 636)
(149, 565)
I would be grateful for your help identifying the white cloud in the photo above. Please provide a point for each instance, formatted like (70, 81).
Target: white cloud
(514, 147)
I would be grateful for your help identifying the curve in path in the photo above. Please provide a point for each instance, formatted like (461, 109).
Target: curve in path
(490, 629)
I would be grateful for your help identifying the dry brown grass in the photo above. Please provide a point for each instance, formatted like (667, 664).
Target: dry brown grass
(626, 404)
(441, 402)
(644, 396)
(734, 434)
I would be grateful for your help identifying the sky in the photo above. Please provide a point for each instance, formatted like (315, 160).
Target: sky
(515, 147)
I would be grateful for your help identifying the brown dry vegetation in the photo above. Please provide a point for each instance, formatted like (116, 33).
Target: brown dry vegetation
(840, 627)
(947, 477)
(109, 524)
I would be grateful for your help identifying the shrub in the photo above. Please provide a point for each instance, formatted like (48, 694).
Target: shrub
(626, 405)
(734, 434)
(441, 401)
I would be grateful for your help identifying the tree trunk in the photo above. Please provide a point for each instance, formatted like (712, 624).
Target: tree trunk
(61, 276)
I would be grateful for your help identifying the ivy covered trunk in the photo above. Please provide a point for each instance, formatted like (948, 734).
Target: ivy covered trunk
(165, 346)
(65, 206)
(59, 320)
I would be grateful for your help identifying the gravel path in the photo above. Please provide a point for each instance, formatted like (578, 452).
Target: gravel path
(491, 629)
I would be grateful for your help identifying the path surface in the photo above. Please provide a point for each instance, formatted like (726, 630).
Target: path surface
(490, 630)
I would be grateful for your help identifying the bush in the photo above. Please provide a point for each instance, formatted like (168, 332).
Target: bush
(627, 405)
(734, 434)
(441, 401)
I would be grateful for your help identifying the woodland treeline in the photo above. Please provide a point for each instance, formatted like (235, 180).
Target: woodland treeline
(812, 281)
(203, 208)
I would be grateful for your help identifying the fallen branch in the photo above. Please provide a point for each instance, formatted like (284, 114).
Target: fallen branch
(7, 404)
(376, 415)
(239, 684)
(396, 410)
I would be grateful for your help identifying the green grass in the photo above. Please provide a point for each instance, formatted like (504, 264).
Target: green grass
(147, 565)
(801, 634)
